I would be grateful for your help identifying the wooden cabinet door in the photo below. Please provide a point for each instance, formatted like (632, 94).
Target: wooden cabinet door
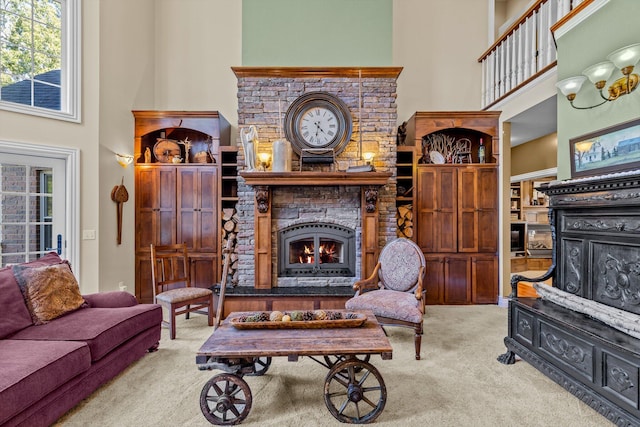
(484, 277)
(426, 221)
(204, 270)
(478, 209)
(457, 280)
(434, 279)
(436, 201)
(467, 210)
(198, 208)
(487, 189)
(155, 207)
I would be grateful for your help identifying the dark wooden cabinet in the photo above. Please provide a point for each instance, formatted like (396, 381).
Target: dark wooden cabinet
(478, 209)
(197, 212)
(155, 206)
(436, 209)
(457, 214)
(180, 202)
(455, 207)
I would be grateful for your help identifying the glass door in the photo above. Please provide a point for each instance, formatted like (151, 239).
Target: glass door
(32, 207)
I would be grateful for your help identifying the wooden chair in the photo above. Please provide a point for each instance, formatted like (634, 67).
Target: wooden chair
(172, 285)
(394, 291)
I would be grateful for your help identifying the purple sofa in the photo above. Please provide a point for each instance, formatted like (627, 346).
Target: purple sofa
(47, 369)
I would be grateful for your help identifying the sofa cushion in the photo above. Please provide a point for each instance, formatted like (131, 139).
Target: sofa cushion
(50, 291)
(103, 329)
(14, 314)
(33, 369)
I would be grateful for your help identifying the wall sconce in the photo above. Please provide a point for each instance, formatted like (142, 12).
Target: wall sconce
(623, 59)
(265, 161)
(124, 159)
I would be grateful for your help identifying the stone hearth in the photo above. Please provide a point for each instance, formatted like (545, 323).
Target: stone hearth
(262, 93)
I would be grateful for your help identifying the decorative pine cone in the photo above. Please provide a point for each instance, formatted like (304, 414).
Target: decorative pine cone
(262, 317)
(319, 314)
(251, 318)
(334, 315)
(307, 315)
(242, 318)
(351, 316)
(275, 316)
(296, 316)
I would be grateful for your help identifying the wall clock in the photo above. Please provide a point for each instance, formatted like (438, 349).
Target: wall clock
(318, 121)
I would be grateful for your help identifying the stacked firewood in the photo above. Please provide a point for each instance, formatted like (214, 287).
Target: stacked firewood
(230, 231)
(404, 220)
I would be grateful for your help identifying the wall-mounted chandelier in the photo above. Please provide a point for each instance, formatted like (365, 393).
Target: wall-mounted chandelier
(623, 59)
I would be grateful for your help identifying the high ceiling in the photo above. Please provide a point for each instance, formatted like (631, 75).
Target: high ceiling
(536, 122)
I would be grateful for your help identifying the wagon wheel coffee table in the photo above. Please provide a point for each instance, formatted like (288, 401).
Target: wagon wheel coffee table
(354, 391)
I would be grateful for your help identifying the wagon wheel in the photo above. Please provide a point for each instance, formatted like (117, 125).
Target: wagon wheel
(354, 392)
(260, 366)
(225, 399)
(332, 360)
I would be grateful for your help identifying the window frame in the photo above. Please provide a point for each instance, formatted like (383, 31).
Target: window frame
(70, 74)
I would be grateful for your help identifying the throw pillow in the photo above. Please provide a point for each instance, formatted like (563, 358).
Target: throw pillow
(49, 291)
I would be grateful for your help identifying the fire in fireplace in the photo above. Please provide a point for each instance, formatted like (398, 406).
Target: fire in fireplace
(316, 249)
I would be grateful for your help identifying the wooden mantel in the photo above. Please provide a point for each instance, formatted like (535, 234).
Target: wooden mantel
(316, 178)
(262, 183)
(318, 72)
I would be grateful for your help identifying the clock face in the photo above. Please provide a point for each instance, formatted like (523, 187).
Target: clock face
(318, 124)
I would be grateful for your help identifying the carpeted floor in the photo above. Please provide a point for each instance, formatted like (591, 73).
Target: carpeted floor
(458, 382)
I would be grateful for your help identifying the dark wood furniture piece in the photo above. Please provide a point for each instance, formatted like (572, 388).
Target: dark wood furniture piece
(172, 285)
(394, 291)
(182, 202)
(355, 383)
(455, 208)
(596, 256)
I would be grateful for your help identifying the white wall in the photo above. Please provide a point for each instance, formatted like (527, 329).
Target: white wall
(438, 43)
(127, 76)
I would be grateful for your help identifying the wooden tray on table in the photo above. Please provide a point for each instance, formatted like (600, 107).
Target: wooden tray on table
(355, 320)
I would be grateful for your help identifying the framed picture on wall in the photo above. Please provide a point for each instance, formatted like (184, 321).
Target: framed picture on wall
(613, 149)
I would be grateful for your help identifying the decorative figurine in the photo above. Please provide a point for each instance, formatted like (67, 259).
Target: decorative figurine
(249, 139)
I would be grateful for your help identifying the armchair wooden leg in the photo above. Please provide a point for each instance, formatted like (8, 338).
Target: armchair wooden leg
(418, 341)
(186, 316)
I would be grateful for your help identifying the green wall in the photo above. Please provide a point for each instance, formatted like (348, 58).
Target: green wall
(615, 25)
(317, 33)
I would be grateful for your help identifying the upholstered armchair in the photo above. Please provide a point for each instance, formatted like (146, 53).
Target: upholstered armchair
(394, 291)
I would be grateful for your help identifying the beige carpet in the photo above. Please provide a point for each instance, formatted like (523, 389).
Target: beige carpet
(458, 382)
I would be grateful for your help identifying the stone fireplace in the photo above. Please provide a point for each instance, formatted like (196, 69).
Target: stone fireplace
(275, 208)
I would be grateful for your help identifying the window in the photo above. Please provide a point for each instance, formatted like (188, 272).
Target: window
(40, 57)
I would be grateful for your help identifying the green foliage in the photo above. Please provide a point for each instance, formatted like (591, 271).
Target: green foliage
(30, 38)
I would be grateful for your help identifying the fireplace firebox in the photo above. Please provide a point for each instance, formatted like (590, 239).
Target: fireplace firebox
(316, 250)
